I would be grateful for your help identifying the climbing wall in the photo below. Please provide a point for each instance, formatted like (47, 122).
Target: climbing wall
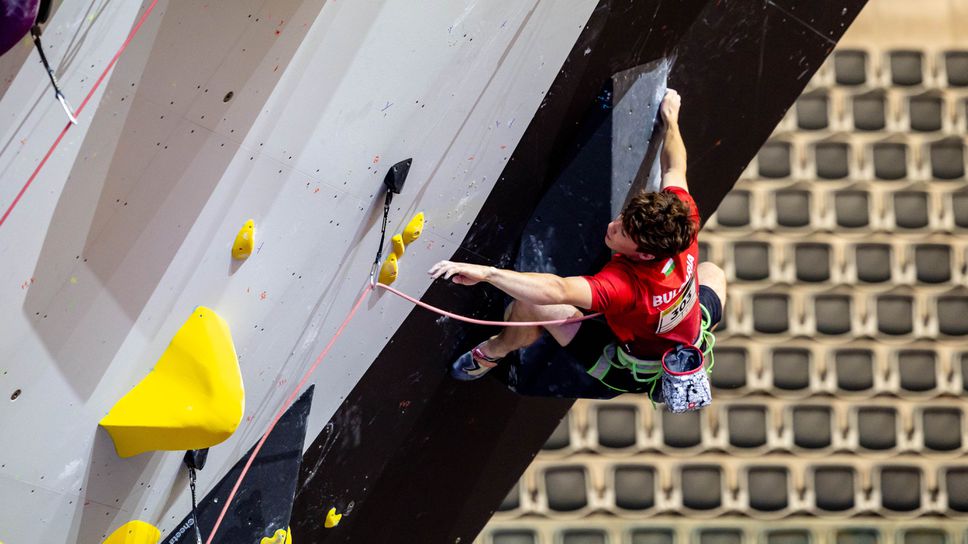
(285, 112)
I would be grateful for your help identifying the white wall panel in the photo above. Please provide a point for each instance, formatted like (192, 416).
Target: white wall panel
(129, 225)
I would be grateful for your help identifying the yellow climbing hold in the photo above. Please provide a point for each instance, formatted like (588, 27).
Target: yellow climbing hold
(397, 243)
(332, 518)
(244, 241)
(389, 270)
(413, 229)
(281, 536)
(193, 398)
(134, 532)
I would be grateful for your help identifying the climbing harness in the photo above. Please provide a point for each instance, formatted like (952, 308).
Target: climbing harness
(625, 373)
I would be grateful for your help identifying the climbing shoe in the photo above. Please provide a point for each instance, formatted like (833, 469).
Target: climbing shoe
(472, 365)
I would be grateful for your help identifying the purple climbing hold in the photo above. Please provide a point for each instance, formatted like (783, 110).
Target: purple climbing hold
(16, 18)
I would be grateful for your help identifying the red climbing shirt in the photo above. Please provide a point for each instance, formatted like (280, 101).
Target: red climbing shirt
(654, 305)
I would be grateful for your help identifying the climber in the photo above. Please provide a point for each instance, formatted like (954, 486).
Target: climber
(648, 291)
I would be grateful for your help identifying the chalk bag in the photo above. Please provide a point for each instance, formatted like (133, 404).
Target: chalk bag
(685, 385)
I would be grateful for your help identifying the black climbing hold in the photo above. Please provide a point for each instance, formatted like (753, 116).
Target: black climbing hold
(196, 458)
(397, 175)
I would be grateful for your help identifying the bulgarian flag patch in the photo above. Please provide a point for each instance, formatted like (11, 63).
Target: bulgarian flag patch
(669, 266)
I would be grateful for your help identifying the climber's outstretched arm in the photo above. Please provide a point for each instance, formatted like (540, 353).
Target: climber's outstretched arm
(673, 157)
(532, 287)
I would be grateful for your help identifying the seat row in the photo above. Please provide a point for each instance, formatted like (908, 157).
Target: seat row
(716, 485)
(905, 68)
(670, 530)
(823, 259)
(854, 209)
(886, 111)
(747, 427)
(841, 158)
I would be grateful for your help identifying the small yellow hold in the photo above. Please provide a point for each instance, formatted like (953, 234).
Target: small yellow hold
(332, 518)
(281, 536)
(389, 270)
(134, 532)
(244, 241)
(413, 229)
(398, 248)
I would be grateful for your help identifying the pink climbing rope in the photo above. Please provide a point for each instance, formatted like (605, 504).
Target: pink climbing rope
(319, 359)
(482, 321)
(77, 113)
(285, 406)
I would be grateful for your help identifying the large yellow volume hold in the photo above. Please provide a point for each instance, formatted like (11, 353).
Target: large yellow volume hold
(134, 532)
(413, 229)
(193, 398)
(389, 270)
(244, 241)
(281, 536)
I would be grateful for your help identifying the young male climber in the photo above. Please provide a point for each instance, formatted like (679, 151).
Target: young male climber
(654, 293)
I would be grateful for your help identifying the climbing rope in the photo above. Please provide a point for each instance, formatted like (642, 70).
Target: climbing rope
(77, 112)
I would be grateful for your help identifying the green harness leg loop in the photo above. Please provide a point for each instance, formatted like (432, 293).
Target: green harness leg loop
(648, 372)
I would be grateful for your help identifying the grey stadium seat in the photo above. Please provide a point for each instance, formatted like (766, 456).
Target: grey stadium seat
(812, 112)
(953, 315)
(702, 487)
(561, 436)
(773, 159)
(940, 427)
(617, 426)
(876, 428)
(911, 209)
(948, 159)
(906, 68)
(792, 208)
(681, 430)
(832, 160)
(517, 536)
(895, 314)
(812, 262)
(868, 110)
(791, 368)
(751, 260)
(634, 487)
(734, 210)
(851, 209)
(730, 368)
(747, 426)
(956, 65)
(933, 263)
(771, 314)
(890, 161)
(854, 369)
(833, 314)
(873, 262)
(768, 488)
(917, 369)
(812, 426)
(901, 488)
(566, 488)
(834, 488)
(925, 113)
(653, 536)
(583, 536)
(850, 67)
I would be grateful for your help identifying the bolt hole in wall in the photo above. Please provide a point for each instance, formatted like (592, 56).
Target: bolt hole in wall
(15, 395)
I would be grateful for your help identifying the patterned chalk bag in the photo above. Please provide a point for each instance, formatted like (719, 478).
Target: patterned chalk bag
(685, 384)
